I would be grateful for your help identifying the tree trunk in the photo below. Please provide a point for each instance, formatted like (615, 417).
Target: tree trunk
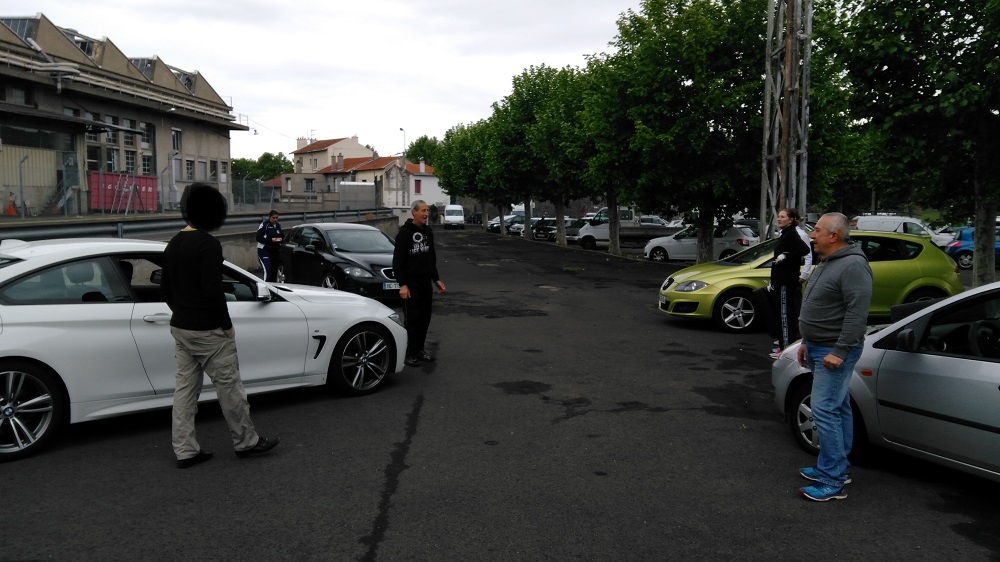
(987, 193)
(706, 233)
(614, 244)
(560, 223)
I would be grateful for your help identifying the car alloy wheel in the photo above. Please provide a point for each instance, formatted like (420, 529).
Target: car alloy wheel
(32, 408)
(735, 311)
(329, 281)
(964, 260)
(364, 356)
(800, 418)
(279, 275)
(658, 254)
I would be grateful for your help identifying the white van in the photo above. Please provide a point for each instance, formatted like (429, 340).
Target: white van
(454, 216)
(906, 225)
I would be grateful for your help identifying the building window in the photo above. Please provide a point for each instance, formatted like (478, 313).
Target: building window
(128, 137)
(223, 171)
(309, 185)
(175, 139)
(71, 111)
(17, 95)
(130, 161)
(189, 170)
(202, 170)
(92, 134)
(111, 160)
(147, 165)
(213, 171)
(93, 158)
(112, 134)
(416, 187)
(146, 130)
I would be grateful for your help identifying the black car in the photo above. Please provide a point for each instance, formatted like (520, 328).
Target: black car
(545, 229)
(356, 258)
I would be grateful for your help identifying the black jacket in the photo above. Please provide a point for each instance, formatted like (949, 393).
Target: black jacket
(414, 259)
(790, 244)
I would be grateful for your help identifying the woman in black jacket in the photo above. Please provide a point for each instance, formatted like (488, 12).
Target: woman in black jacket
(786, 287)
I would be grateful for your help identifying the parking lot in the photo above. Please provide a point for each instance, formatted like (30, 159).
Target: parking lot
(566, 418)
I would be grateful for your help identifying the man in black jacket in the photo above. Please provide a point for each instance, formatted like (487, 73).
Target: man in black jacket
(414, 264)
(204, 337)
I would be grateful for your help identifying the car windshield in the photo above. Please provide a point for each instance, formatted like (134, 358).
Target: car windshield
(360, 241)
(453, 212)
(752, 254)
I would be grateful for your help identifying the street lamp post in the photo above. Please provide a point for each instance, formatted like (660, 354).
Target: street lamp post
(404, 142)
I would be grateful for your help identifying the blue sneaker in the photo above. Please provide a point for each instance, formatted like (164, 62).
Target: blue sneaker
(810, 473)
(822, 493)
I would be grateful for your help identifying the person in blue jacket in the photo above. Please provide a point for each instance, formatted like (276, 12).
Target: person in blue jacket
(269, 238)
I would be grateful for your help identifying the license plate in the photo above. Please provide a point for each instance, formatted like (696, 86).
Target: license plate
(390, 286)
(663, 299)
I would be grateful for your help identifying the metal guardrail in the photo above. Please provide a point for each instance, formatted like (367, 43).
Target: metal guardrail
(137, 226)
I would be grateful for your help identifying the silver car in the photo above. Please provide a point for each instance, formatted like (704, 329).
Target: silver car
(927, 385)
(86, 336)
(683, 245)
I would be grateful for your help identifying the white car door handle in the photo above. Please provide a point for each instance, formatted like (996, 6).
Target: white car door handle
(156, 318)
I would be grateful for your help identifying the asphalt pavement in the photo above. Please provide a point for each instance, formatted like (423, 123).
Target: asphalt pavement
(566, 418)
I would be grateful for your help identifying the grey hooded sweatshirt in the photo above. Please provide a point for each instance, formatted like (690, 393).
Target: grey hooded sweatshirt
(835, 304)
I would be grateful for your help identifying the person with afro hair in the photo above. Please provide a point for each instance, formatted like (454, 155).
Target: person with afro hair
(204, 337)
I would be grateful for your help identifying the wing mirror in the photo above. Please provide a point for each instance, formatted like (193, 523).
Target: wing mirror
(906, 340)
(263, 292)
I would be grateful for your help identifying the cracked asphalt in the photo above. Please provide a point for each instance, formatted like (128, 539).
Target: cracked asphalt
(565, 419)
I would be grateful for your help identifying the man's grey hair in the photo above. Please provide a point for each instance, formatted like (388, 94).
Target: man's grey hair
(841, 225)
(416, 204)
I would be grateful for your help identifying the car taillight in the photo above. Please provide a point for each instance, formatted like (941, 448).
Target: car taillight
(743, 242)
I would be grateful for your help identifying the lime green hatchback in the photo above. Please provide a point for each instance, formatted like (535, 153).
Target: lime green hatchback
(905, 268)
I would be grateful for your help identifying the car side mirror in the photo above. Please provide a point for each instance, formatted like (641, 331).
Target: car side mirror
(263, 292)
(906, 340)
(156, 277)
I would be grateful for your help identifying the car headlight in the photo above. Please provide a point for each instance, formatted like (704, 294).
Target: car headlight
(395, 318)
(689, 286)
(358, 272)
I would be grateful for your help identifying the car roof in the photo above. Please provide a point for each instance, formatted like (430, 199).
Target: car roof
(62, 248)
(338, 226)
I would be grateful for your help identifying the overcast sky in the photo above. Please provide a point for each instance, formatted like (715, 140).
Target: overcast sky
(332, 69)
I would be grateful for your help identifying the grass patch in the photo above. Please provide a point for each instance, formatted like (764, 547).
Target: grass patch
(572, 269)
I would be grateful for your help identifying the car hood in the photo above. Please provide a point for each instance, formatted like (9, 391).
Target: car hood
(709, 272)
(320, 295)
(367, 260)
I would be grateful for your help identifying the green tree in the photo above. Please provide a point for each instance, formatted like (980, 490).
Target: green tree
(927, 77)
(689, 73)
(424, 147)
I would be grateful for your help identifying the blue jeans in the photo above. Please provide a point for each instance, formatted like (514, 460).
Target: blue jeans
(831, 410)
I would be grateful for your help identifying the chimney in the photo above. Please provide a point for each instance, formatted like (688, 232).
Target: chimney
(301, 142)
(340, 161)
(423, 167)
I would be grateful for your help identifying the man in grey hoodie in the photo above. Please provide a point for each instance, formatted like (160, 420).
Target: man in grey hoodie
(832, 323)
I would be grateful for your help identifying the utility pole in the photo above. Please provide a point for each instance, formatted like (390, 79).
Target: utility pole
(784, 154)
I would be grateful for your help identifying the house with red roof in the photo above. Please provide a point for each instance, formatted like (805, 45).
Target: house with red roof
(343, 174)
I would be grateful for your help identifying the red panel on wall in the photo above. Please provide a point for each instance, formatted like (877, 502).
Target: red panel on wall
(119, 195)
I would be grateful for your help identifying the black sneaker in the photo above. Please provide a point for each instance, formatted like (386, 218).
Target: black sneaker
(422, 356)
(201, 457)
(263, 445)
(411, 361)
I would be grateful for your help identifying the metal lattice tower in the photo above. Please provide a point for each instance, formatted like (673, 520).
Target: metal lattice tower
(784, 164)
